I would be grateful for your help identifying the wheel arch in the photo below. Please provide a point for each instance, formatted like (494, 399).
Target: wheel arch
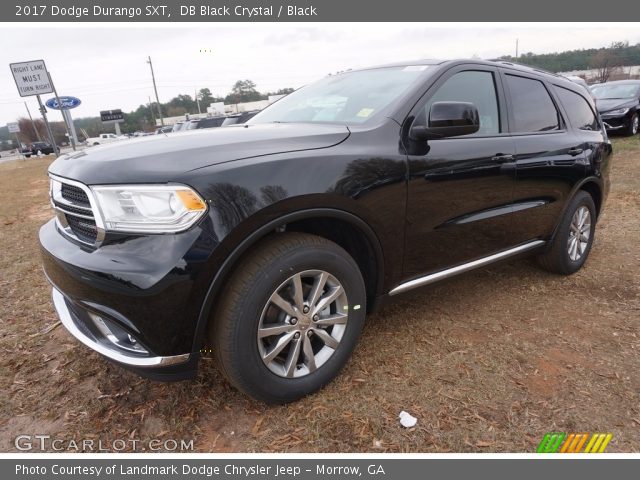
(369, 259)
(593, 186)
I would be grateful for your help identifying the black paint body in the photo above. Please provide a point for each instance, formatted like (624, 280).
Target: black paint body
(419, 207)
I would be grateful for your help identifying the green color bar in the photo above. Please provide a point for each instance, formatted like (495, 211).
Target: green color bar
(551, 442)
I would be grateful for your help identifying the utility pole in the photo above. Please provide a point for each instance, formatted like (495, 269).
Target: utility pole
(155, 88)
(33, 124)
(517, 49)
(198, 101)
(153, 115)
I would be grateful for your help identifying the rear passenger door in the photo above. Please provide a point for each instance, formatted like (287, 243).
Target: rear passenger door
(549, 155)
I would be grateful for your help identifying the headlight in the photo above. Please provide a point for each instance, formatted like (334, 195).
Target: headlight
(619, 111)
(149, 208)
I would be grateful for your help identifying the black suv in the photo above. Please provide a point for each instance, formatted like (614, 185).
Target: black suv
(267, 243)
(42, 147)
(619, 105)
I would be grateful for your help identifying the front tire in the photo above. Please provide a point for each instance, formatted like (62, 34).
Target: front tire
(633, 125)
(574, 237)
(289, 318)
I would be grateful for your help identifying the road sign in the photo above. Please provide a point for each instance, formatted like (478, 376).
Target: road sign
(31, 78)
(112, 116)
(67, 103)
(13, 127)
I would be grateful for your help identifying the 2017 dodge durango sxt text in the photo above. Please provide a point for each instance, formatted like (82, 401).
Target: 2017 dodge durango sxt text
(267, 243)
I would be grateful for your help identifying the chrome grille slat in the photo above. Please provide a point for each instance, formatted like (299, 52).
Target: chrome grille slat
(73, 209)
(72, 202)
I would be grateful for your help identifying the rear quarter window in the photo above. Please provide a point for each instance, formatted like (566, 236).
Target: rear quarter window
(580, 113)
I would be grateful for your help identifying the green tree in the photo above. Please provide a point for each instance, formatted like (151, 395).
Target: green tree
(243, 91)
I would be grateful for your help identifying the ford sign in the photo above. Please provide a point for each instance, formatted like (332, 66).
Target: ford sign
(67, 103)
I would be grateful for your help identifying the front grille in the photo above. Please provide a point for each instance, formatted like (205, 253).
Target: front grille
(75, 195)
(83, 228)
(75, 215)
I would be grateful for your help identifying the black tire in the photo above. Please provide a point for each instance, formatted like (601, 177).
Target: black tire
(557, 258)
(632, 126)
(234, 325)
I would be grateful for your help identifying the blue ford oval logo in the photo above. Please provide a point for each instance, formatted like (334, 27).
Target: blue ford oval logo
(67, 103)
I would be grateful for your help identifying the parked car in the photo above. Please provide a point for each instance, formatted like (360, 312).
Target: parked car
(208, 122)
(238, 118)
(104, 138)
(268, 244)
(580, 81)
(619, 105)
(44, 148)
(180, 126)
(165, 129)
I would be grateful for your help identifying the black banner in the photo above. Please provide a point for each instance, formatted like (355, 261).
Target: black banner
(315, 11)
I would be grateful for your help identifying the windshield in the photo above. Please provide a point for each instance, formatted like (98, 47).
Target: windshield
(350, 98)
(625, 90)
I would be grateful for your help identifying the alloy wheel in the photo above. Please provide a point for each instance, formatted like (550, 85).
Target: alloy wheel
(302, 323)
(579, 233)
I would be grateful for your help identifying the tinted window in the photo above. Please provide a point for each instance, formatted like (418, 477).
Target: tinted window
(474, 87)
(580, 114)
(533, 109)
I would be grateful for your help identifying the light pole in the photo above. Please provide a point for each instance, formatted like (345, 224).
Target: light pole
(155, 88)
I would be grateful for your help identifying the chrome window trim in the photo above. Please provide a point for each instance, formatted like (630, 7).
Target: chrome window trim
(60, 212)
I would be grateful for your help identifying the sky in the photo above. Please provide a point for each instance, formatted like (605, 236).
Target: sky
(106, 65)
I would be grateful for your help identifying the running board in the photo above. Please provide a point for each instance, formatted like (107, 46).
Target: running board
(465, 267)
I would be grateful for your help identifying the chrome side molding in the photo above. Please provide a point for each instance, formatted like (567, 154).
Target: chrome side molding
(465, 267)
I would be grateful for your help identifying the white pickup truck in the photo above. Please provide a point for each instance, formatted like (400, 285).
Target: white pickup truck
(104, 138)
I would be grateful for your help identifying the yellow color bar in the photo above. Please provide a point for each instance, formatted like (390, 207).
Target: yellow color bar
(605, 442)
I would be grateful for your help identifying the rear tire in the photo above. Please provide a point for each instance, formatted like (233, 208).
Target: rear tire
(290, 292)
(574, 237)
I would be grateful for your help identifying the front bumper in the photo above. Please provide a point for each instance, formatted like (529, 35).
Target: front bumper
(136, 301)
(613, 123)
(103, 341)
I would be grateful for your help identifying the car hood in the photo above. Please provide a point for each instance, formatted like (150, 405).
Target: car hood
(162, 158)
(606, 104)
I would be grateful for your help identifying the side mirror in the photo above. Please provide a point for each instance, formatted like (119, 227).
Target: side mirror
(448, 119)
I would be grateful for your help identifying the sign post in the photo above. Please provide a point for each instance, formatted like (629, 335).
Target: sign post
(64, 117)
(113, 116)
(31, 79)
(14, 128)
(64, 104)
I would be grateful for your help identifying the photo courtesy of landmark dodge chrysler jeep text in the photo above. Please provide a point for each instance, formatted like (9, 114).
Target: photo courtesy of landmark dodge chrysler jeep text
(267, 243)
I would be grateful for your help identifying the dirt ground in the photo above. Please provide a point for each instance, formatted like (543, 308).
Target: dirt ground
(487, 362)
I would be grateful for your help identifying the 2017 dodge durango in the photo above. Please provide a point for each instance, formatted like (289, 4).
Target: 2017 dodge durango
(267, 243)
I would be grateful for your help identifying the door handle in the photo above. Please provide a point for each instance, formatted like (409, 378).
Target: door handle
(500, 157)
(575, 151)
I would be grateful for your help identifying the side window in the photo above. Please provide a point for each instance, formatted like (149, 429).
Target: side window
(533, 109)
(475, 87)
(578, 109)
